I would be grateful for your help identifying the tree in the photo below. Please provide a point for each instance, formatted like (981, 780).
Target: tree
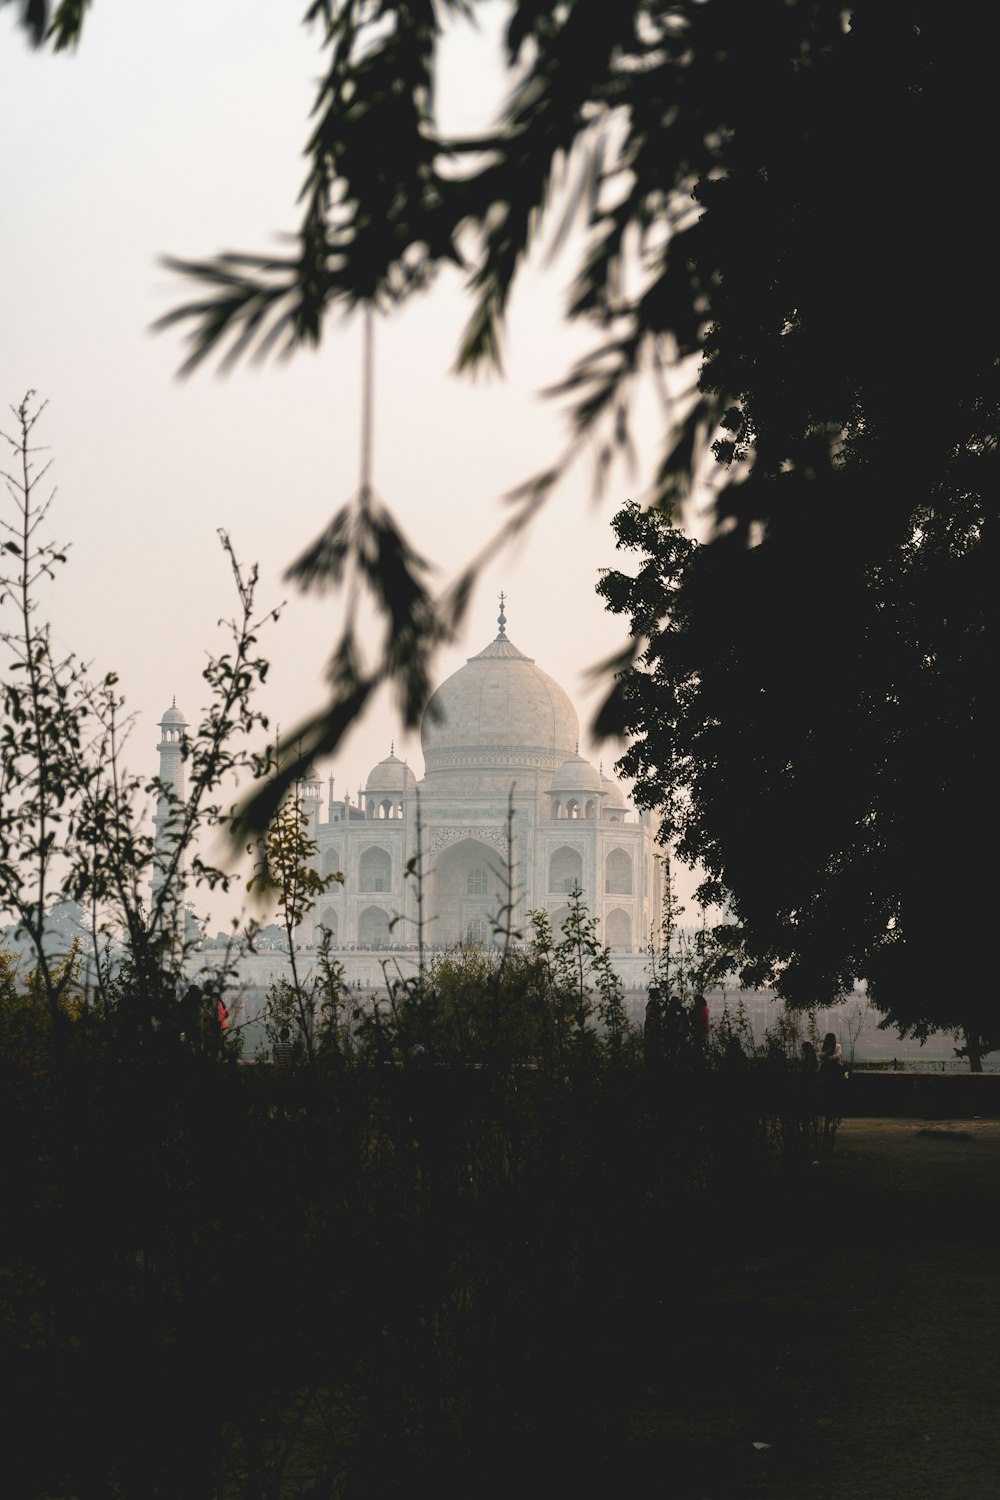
(817, 800)
(49, 712)
(73, 821)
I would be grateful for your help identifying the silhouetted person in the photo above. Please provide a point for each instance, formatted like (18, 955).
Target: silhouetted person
(832, 1075)
(831, 1057)
(191, 1004)
(216, 1019)
(807, 1100)
(674, 1028)
(652, 1032)
(283, 1051)
(700, 1023)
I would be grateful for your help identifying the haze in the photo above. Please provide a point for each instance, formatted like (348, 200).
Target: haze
(181, 132)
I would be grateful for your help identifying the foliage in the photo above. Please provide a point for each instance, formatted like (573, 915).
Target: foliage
(48, 716)
(317, 1011)
(552, 1002)
(686, 962)
(118, 855)
(30, 1030)
(286, 870)
(73, 820)
(798, 789)
(477, 1008)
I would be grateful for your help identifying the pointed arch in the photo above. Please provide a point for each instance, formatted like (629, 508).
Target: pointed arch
(618, 873)
(565, 869)
(618, 929)
(375, 870)
(373, 928)
(331, 922)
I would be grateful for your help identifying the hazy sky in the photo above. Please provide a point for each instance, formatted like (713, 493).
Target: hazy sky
(179, 130)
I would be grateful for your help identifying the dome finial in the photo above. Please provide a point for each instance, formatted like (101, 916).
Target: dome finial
(392, 748)
(501, 617)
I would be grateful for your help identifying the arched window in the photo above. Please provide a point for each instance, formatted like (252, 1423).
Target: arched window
(373, 929)
(591, 809)
(478, 882)
(331, 865)
(618, 929)
(375, 871)
(565, 870)
(330, 922)
(618, 873)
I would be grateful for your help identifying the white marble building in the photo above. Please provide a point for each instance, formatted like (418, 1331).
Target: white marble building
(500, 747)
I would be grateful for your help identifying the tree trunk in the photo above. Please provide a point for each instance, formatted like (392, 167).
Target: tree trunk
(973, 1050)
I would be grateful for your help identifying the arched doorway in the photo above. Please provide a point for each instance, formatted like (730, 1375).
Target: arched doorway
(618, 929)
(373, 928)
(468, 888)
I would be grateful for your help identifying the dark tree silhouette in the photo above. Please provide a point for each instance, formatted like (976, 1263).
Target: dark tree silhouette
(820, 761)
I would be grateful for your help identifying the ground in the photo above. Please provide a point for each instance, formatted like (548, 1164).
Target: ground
(858, 1359)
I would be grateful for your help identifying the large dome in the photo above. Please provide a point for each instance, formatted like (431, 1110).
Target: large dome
(499, 710)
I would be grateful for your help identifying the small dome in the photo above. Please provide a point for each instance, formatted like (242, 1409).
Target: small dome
(576, 775)
(391, 775)
(173, 715)
(614, 796)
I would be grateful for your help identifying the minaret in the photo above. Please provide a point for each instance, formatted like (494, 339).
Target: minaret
(168, 803)
(310, 797)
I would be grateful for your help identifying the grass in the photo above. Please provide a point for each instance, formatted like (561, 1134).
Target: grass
(860, 1342)
(422, 1282)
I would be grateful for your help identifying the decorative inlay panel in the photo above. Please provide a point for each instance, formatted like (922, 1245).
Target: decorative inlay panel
(495, 834)
(499, 755)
